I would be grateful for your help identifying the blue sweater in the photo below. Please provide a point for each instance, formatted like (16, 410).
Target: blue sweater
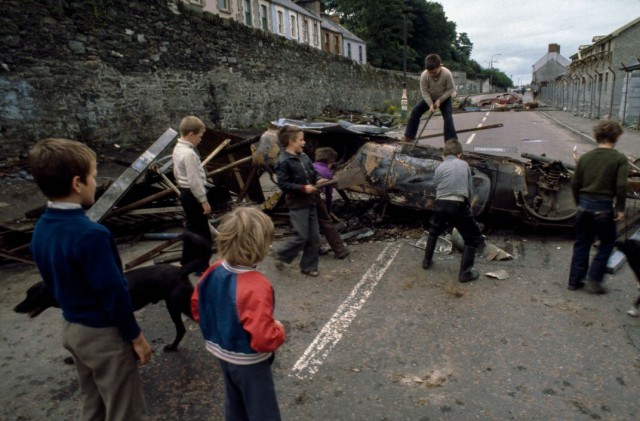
(80, 264)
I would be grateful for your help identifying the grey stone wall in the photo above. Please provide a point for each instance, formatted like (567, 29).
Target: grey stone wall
(110, 72)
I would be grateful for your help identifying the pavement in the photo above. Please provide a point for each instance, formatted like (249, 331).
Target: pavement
(584, 127)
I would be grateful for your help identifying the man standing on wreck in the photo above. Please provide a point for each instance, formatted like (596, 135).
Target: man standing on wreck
(436, 86)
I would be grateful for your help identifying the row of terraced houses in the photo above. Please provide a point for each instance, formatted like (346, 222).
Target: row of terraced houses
(300, 21)
(601, 80)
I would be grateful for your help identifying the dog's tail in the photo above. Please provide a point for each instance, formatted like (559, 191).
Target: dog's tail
(193, 266)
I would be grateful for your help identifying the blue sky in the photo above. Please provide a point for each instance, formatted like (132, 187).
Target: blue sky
(520, 31)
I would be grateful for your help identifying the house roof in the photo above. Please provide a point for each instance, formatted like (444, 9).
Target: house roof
(336, 27)
(599, 39)
(551, 57)
(293, 6)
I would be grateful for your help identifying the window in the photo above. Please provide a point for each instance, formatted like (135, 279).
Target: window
(223, 5)
(316, 38)
(294, 27)
(606, 81)
(247, 12)
(360, 57)
(265, 20)
(337, 44)
(305, 30)
(349, 49)
(280, 23)
(327, 44)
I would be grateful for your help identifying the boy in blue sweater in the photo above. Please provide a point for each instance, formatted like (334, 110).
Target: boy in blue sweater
(80, 265)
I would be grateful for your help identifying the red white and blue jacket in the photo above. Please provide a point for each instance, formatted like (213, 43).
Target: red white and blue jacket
(234, 306)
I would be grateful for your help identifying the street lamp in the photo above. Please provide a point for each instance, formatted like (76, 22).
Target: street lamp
(491, 71)
(404, 100)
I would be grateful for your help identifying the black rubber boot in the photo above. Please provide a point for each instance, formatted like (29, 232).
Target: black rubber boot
(467, 274)
(428, 251)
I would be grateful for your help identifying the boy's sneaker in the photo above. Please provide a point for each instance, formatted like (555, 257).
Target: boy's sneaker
(575, 287)
(324, 249)
(594, 288)
(277, 262)
(344, 254)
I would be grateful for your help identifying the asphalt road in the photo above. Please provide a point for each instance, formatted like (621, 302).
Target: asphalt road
(376, 337)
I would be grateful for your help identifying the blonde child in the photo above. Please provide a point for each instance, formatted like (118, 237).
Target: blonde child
(234, 304)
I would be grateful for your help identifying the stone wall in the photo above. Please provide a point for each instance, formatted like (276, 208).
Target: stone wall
(120, 72)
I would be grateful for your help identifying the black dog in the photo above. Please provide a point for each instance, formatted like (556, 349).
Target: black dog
(631, 249)
(149, 284)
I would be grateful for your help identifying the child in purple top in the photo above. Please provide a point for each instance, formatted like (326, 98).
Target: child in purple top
(325, 157)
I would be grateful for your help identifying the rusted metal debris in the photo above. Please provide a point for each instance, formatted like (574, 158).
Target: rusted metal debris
(502, 100)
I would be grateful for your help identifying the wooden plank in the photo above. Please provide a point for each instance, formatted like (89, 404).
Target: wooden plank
(122, 185)
(151, 253)
(154, 211)
(13, 256)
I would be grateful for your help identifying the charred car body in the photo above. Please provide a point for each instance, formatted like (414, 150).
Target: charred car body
(536, 192)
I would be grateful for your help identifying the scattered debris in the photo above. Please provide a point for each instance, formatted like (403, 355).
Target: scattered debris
(498, 274)
(389, 192)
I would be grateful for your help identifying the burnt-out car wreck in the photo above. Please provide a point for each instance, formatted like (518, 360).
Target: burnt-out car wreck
(535, 191)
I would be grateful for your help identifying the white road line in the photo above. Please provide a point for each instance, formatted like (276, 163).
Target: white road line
(471, 138)
(484, 119)
(332, 332)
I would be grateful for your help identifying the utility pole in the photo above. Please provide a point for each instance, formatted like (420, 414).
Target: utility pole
(404, 100)
(491, 71)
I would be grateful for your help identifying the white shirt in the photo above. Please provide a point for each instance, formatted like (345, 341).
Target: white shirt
(187, 170)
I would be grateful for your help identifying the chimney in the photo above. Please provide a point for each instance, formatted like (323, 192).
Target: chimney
(554, 48)
(334, 18)
(312, 5)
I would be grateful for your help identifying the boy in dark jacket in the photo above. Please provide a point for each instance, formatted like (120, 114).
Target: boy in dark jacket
(296, 178)
(234, 304)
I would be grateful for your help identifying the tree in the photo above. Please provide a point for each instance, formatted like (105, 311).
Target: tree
(463, 47)
(433, 33)
(378, 23)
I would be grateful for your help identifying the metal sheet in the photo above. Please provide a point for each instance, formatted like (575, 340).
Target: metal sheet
(122, 185)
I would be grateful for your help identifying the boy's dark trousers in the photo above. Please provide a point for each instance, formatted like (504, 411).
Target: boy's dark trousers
(456, 213)
(328, 229)
(446, 109)
(250, 393)
(306, 238)
(196, 222)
